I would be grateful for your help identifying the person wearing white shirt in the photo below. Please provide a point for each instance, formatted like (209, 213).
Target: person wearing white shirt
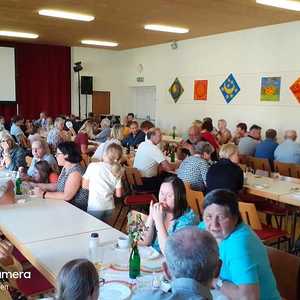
(103, 179)
(149, 160)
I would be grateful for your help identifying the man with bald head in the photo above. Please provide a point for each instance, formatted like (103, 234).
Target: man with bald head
(185, 147)
(289, 150)
(191, 263)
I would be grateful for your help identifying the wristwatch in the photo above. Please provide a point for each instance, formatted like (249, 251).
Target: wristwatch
(219, 283)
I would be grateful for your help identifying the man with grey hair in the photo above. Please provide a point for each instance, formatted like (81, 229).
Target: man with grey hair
(192, 258)
(194, 168)
(289, 150)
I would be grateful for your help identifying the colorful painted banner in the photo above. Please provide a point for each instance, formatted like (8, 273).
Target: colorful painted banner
(176, 90)
(229, 88)
(200, 89)
(270, 89)
(295, 89)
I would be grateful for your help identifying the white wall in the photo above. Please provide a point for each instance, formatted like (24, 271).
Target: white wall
(248, 54)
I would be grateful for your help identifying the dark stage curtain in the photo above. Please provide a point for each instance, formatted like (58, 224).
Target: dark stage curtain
(43, 80)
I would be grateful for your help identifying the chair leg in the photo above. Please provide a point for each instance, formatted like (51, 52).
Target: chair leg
(125, 217)
(118, 216)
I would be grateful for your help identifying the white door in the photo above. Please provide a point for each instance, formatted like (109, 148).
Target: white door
(144, 102)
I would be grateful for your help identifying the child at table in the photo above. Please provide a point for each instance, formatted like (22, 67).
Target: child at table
(103, 179)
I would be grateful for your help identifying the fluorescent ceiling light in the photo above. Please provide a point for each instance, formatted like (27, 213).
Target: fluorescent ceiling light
(286, 4)
(65, 15)
(19, 34)
(99, 43)
(164, 28)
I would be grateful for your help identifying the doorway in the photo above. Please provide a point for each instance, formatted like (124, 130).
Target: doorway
(144, 102)
(101, 103)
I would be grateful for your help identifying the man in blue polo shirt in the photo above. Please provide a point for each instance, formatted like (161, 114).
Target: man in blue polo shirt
(266, 148)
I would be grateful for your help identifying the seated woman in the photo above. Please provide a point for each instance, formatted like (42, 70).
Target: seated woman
(168, 215)
(12, 156)
(68, 186)
(194, 168)
(58, 134)
(7, 194)
(207, 134)
(84, 134)
(105, 131)
(116, 137)
(78, 280)
(226, 173)
(40, 151)
(103, 179)
(245, 272)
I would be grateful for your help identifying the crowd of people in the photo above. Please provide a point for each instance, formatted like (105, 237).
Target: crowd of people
(209, 163)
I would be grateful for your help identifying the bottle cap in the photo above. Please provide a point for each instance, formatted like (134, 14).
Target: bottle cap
(94, 235)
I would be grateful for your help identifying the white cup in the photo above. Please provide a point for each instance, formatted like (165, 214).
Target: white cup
(123, 242)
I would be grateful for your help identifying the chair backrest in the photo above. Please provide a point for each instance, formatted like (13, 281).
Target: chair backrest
(85, 160)
(243, 167)
(195, 199)
(286, 269)
(249, 215)
(133, 176)
(283, 168)
(259, 164)
(244, 159)
(28, 160)
(295, 171)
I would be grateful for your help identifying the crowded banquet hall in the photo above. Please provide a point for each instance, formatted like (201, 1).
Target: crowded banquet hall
(149, 150)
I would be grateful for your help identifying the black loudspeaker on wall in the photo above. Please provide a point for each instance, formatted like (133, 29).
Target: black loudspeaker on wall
(87, 85)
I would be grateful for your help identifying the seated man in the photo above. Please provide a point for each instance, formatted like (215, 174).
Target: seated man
(149, 159)
(191, 263)
(224, 134)
(194, 168)
(240, 132)
(135, 137)
(266, 148)
(146, 126)
(7, 195)
(185, 147)
(289, 150)
(247, 144)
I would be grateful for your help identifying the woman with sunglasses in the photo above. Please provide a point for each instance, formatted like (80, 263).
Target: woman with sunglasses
(68, 186)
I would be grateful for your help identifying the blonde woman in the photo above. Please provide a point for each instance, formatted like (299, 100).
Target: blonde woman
(12, 156)
(226, 173)
(116, 136)
(103, 179)
(84, 134)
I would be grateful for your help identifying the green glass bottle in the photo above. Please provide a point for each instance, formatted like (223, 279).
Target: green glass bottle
(18, 186)
(174, 134)
(172, 155)
(134, 262)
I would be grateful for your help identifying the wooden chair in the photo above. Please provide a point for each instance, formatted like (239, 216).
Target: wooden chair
(244, 159)
(85, 160)
(283, 169)
(286, 269)
(28, 160)
(138, 198)
(195, 199)
(295, 171)
(267, 234)
(259, 164)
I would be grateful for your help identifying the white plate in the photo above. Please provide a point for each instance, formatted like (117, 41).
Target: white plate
(148, 253)
(115, 291)
(154, 265)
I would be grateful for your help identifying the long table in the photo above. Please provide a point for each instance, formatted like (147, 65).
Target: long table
(41, 219)
(278, 190)
(50, 233)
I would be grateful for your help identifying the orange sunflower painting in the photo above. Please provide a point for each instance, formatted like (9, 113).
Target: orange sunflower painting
(200, 89)
(295, 89)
